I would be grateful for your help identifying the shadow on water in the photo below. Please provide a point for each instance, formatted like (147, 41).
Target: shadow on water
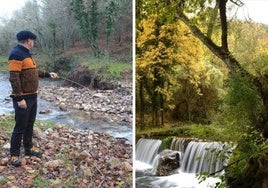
(75, 118)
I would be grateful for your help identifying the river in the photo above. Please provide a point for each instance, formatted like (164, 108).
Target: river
(75, 118)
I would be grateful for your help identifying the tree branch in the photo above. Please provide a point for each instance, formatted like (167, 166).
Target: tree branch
(221, 52)
(215, 49)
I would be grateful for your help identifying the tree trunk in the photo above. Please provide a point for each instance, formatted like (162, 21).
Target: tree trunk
(141, 96)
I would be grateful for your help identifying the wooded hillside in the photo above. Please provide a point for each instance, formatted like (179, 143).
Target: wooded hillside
(64, 28)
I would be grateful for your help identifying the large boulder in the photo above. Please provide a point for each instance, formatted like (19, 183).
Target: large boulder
(168, 162)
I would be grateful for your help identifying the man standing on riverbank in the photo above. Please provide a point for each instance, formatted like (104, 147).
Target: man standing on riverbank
(24, 78)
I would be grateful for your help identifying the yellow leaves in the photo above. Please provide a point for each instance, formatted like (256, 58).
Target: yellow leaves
(29, 170)
(11, 177)
(147, 32)
(168, 54)
(14, 186)
(57, 181)
(155, 44)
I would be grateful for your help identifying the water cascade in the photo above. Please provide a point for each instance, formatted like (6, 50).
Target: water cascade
(197, 156)
(147, 149)
(203, 157)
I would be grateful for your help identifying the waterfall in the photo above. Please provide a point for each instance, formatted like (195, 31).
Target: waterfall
(197, 156)
(203, 157)
(155, 169)
(147, 149)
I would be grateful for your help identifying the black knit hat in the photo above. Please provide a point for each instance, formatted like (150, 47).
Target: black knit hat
(24, 35)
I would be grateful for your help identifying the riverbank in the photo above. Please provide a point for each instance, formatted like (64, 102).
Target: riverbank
(72, 158)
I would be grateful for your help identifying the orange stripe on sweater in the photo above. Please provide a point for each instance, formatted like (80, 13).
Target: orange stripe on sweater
(14, 65)
(27, 63)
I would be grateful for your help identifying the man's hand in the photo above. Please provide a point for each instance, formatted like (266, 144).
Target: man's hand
(53, 75)
(22, 104)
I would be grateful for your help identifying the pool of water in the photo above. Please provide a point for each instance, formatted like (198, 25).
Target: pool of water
(144, 179)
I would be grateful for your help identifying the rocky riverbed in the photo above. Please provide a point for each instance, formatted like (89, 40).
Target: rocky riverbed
(115, 106)
(108, 111)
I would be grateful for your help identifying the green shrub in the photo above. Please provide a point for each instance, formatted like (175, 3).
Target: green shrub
(166, 143)
(202, 131)
(243, 106)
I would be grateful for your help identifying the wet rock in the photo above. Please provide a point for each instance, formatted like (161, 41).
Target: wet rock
(8, 99)
(168, 161)
(77, 106)
(45, 111)
(63, 107)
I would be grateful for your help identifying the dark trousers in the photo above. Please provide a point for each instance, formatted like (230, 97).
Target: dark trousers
(24, 122)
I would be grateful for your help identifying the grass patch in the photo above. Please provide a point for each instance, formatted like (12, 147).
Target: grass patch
(111, 69)
(39, 182)
(3, 180)
(3, 63)
(163, 132)
(7, 123)
(205, 132)
(166, 143)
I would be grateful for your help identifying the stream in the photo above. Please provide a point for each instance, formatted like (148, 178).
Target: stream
(76, 118)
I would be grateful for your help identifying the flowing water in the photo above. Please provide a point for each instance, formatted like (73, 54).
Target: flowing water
(74, 118)
(197, 157)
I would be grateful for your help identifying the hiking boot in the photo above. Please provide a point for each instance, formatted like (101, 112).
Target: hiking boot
(33, 151)
(15, 161)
